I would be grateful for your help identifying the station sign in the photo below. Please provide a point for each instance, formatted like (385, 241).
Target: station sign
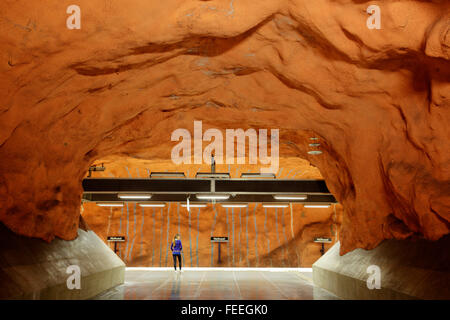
(116, 239)
(219, 239)
(322, 240)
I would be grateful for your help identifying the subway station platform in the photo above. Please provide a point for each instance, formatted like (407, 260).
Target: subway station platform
(217, 284)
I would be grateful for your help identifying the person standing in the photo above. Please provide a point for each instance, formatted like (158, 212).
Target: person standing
(176, 248)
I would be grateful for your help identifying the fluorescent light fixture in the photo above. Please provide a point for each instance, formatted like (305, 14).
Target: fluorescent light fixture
(116, 204)
(314, 144)
(258, 175)
(212, 196)
(317, 206)
(315, 152)
(167, 175)
(290, 197)
(152, 205)
(234, 205)
(194, 205)
(275, 205)
(314, 138)
(135, 196)
(213, 175)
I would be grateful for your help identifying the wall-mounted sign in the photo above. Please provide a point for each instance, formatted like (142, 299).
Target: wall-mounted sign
(116, 239)
(219, 239)
(323, 240)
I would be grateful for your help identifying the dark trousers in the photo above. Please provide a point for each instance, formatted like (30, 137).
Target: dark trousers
(175, 257)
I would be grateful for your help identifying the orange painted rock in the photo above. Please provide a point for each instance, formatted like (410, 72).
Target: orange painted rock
(378, 99)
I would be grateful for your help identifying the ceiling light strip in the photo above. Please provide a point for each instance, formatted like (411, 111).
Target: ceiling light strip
(134, 196)
(212, 196)
(152, 205)
(317, 206)
(110, 204)
(290, 197)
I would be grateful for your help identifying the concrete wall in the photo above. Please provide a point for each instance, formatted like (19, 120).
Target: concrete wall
(33, 269)
(409, 270)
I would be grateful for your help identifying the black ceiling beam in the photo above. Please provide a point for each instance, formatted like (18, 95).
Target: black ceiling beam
(244, 186)
(272, 186)
(241, 198)
(145, 185)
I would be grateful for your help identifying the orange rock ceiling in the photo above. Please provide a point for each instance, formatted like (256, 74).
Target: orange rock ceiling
(378, 99)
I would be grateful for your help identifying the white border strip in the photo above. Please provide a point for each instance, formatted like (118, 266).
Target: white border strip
(219, 269)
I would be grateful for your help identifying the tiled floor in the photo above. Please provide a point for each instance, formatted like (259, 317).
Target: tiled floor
(216, 284)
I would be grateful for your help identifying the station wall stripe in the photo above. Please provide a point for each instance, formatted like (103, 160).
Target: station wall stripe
(280, 245)
(120, 231)
(190, 241)
(128, 229)
(142, 223)
(198, 232)
(212, 234)
(167, 238)
(179, 217)
(292, 220)
(179, 230)
(267, 235)
(228, 235)
(279, 172)
(109, 220)
(161, 236)
(276, 225)
(232, 234)
(135, 232)
(293, 236)
(285, 245)
(153, 234)
(246, 232)
(289, 173)
(128, 171)
(128, 224)
(256, 235)
(240, 232)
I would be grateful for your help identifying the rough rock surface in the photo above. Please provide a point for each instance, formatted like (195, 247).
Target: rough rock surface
(378, 99)
(258, 237)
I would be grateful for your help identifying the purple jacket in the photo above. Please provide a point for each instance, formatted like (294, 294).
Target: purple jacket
(176, 249)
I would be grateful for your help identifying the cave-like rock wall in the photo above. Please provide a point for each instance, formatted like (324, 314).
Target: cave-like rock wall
(377, 98)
